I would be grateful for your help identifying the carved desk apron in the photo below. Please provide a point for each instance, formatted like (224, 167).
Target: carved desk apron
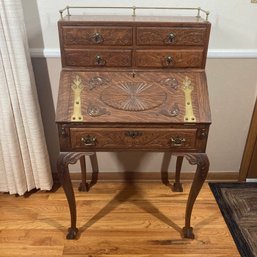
(121, 91)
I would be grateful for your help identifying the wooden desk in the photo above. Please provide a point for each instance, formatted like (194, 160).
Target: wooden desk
(133, 83)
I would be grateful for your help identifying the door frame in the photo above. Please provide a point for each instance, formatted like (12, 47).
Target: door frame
(250, 147)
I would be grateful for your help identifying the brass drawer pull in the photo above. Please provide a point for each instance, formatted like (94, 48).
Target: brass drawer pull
(169, 60)
(170, 38)
(88, 140)
(99, 60)
(177, 141)
(133, 134)
(97, 38)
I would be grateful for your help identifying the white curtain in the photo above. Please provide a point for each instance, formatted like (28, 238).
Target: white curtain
(24, 161)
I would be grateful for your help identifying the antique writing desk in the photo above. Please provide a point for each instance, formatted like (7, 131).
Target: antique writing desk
(133, 83)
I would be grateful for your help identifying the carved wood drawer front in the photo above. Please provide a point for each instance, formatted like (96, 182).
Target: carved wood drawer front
(149, 139)
(169, 58)
(147, 36)
(98, 58)
(98, 35)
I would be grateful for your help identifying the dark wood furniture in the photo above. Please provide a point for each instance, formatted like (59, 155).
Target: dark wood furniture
(133, 83)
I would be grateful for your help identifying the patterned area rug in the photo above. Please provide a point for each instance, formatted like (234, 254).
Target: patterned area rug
(238, 204)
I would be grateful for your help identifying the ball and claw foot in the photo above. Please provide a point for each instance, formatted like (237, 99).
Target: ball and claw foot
(72, 233)
(188, 233)
(84, 187)
(177, 187)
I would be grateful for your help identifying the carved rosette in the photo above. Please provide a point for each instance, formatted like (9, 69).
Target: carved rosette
(97, 81)
(173, 112)
(133, 96)
(170, 83)
(95, 110)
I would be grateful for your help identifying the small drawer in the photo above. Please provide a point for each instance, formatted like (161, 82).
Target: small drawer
(169, 58)
(139, 139)
(98, 35)
(170, 36)
(98, 58)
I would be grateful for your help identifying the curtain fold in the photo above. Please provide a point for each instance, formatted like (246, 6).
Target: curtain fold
(24, 161)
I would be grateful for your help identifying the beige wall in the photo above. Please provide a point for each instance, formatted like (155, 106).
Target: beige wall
(232, 89)
(232, 82)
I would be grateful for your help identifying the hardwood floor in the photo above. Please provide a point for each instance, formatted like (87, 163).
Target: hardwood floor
(115, 219)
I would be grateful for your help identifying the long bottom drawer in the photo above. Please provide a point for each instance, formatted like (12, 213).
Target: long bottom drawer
(152, 139)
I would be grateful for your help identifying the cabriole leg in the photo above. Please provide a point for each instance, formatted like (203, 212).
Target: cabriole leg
(202, 162)
(64, 159)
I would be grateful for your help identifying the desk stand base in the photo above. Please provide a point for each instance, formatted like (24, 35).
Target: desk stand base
(198, 159)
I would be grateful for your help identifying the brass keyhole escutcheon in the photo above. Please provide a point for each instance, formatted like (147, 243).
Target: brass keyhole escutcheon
(177, 141)
(89, 140)
(133, 134)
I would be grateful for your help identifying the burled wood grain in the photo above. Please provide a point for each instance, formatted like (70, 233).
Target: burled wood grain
(152, 139)
(169, 58)
(92, 96)
(97, 35)
(140, 32)
(185, 36)
(98, 58)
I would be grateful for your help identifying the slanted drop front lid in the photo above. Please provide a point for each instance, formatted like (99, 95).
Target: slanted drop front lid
(127, 97)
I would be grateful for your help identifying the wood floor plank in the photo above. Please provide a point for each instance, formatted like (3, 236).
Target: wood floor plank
(115, 220)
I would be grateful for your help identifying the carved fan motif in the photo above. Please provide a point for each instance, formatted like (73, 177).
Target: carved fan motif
(133, 96)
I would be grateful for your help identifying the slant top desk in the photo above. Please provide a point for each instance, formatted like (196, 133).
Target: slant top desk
(133, 83)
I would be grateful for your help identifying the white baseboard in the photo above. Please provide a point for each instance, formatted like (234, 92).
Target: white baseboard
(45, 52)
(155, 176)
(251, 180)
